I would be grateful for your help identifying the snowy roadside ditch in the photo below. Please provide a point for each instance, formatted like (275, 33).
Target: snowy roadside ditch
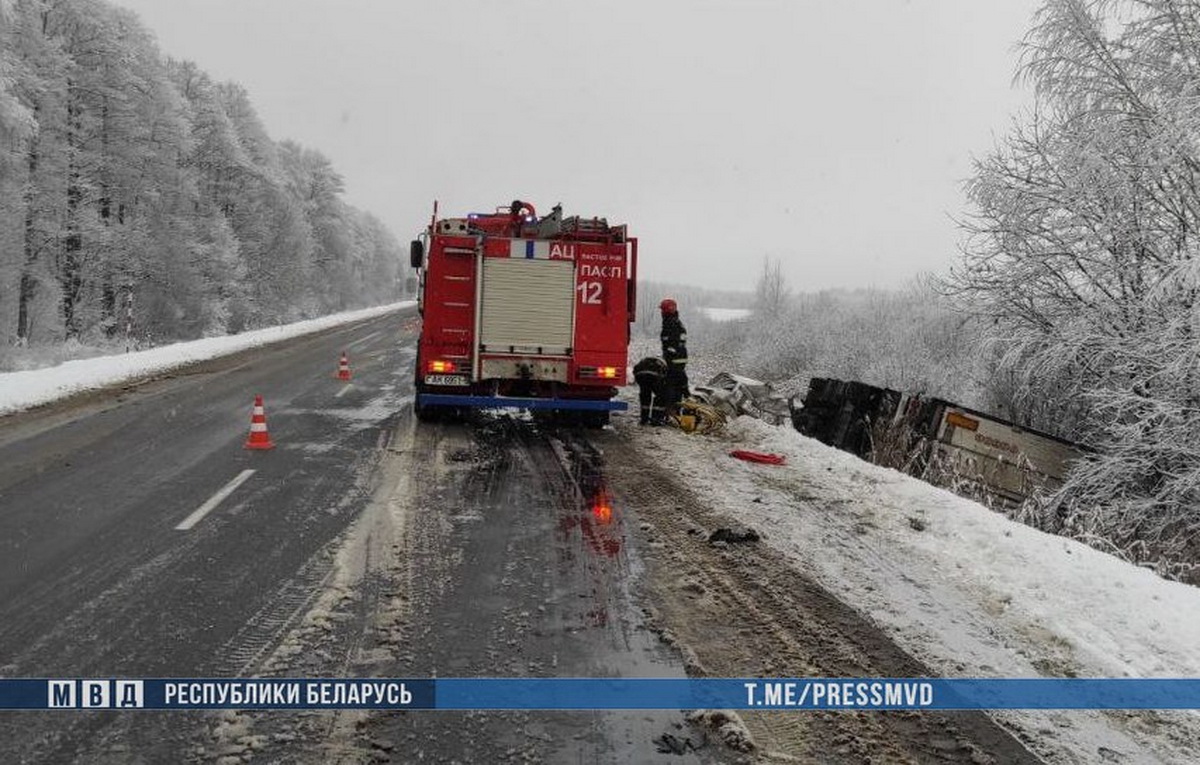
(22, 390)
(966, 590)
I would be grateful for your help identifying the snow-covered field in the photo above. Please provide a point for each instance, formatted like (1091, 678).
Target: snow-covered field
(726, 314)
(21, 390)
(964, 589)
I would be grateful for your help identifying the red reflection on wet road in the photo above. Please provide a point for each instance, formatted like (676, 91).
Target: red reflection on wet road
(599, 522)
(599, 528)
(592, 520)
(602, 510)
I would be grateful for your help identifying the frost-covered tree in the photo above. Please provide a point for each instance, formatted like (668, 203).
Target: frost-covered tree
(17, 126)
(1083, 258)
(908, 339)
(131, 181)
(39, 161)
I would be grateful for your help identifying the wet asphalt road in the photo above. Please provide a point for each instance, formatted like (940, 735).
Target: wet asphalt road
(515, 562)
(521, 561)
(95, 580)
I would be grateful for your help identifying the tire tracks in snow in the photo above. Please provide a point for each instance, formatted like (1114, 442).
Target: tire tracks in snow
(742, 610)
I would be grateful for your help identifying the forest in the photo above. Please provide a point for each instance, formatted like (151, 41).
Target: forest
(143, 202)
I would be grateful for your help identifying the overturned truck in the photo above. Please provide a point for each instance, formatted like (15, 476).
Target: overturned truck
(968, 451)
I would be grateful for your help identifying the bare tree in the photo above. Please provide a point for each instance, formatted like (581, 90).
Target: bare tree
(771, 293)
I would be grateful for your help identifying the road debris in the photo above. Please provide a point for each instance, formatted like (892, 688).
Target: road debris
(735, 535)
(728, 727)
(736, 395)
(671, 743)
(761, 458)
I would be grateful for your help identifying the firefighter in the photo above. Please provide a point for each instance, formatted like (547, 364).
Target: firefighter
(517, 213)
(651, 376)
(674, 345)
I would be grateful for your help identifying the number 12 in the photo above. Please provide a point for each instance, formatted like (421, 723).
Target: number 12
(590, 292)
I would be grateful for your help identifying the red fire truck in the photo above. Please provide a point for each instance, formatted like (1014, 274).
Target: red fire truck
(524, 312)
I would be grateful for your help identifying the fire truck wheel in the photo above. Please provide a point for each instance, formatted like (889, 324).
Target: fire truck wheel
(425, 413)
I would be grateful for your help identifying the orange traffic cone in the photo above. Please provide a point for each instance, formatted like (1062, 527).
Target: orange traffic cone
(343, 372)
(259, 438)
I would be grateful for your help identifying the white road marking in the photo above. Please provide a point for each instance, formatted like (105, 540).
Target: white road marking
(363, 340)
(214, 500)
(342, 392)
(385, 440)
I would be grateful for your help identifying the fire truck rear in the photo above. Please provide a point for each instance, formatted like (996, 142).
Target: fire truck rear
(524, 312)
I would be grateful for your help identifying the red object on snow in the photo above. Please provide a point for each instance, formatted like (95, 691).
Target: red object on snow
(760, 457)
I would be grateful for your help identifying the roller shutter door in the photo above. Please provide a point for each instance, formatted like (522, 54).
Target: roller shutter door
(528, 306)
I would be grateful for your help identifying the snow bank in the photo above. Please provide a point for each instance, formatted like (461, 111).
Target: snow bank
(1119, 619)
(21, 390)
(966, 590)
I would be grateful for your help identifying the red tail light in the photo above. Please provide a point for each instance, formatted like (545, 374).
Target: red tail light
(607, 372)
(441, 367)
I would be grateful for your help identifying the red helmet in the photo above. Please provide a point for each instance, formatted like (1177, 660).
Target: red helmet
(668, 306)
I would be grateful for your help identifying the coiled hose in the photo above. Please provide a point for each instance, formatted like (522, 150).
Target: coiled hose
(695, 416)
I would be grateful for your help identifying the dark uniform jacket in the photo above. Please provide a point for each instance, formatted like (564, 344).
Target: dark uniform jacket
(650, 371)
(674, 341)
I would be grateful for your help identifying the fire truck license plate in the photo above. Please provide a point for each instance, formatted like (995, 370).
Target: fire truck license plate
(445, 380)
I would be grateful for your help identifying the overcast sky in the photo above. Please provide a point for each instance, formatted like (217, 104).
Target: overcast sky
(832, 135)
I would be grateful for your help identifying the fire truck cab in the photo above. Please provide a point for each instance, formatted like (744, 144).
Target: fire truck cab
(526, 312)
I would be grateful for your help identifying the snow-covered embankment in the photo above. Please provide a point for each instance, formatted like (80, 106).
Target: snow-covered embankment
(21, 390)
(966, 590)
